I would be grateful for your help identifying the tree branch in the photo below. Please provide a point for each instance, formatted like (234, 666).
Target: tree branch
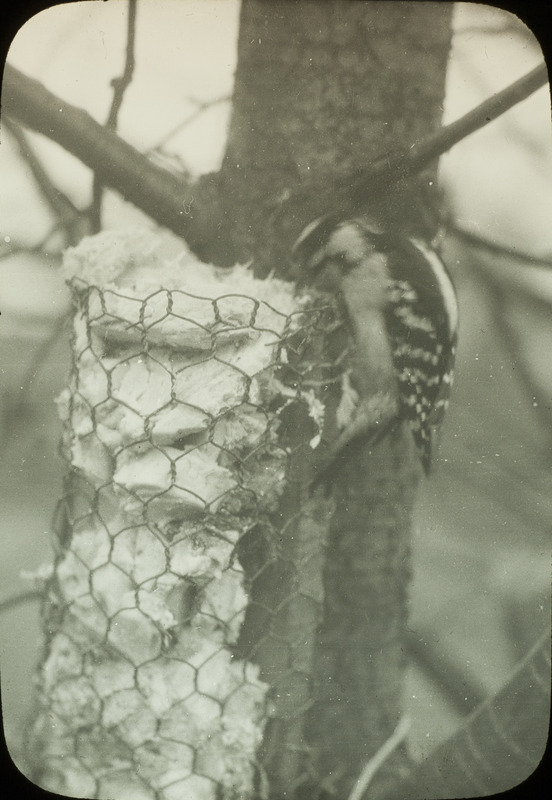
(17, 599)
(499, 744)
(404, 165)
(512, 342)
(522, 257)
(167, 198)
(200, 108)
(160, 194)
(60, 204)
(119, 85)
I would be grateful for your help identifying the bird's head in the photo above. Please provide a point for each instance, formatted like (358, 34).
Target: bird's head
(329, 248)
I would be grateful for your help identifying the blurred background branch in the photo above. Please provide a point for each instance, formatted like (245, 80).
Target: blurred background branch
(499, 743)
(522, 258)
(114, 162)
(119, 87)
(68, 216)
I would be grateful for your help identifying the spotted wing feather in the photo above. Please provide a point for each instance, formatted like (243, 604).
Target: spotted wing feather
(421, 320)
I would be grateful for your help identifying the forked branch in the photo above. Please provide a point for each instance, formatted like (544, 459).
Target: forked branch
(166, 197)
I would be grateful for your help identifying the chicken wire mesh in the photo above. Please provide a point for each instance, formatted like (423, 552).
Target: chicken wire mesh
(186, 590)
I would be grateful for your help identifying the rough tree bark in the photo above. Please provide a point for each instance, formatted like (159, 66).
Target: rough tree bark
(321, 90)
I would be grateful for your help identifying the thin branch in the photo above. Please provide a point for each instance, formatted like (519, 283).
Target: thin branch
(406, 164)
(499, 743)
(375, 763)
(498, 249)
(157, 192)
(200, 109)
(39, 359)
(512, 343)
(17, 248)
(120, 86)
(14, 600)
(38, 362)
(457, 686)
(515, 492)
(67, 213)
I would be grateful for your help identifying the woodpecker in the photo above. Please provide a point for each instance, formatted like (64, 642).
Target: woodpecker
(399, 303)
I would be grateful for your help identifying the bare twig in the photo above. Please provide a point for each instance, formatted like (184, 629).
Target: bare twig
(511, 340)
(502, 740)
(120, 166)
(375, 763)
(458, 687)
(16, 248)
(512, 490)
(14, 600)
(121, 84)
(119, 87)
(200, 109)
(40, 356)
(38, 362)
(68, 215)
(498, 249)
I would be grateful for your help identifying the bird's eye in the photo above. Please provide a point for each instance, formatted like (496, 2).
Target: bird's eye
(345, 262)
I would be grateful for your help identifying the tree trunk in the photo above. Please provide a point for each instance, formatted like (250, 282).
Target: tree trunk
(322, 89)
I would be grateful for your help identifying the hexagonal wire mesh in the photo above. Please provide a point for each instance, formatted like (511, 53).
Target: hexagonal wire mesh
(186, 589)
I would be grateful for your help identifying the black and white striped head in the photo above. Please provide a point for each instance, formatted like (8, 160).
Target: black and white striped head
(330, 247)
